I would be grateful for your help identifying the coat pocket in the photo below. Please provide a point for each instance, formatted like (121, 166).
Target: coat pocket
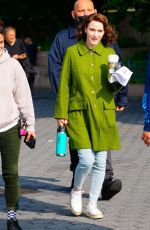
(109, 114)
(77, 105)
(77, 113)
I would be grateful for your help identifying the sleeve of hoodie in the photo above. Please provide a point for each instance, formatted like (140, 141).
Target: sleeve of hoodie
(22, 96)
(55, 57)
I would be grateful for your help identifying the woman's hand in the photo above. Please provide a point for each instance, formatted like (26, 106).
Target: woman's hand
(120, 108)
(30, 133)
(62, 122)
(19, 56)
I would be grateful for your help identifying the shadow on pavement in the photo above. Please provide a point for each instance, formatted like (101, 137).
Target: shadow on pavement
(35, 184)
(50, 184)
(55, 224)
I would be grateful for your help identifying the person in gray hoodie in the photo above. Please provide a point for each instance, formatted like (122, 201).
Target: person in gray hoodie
(16, 104)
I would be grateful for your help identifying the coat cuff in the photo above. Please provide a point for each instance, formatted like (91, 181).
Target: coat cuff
(31, 128)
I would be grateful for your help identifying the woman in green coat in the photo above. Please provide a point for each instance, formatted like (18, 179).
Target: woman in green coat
(86, 106)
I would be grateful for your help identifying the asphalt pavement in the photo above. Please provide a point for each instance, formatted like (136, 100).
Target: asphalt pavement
(45, 178)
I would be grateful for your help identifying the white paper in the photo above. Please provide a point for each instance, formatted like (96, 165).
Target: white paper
(122, 75)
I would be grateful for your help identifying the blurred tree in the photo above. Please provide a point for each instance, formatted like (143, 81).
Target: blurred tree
(140, 17)
(42, 19)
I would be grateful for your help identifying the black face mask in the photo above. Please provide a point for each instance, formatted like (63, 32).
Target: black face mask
(80, 20)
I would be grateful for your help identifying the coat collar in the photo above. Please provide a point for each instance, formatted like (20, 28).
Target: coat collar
(84, 50)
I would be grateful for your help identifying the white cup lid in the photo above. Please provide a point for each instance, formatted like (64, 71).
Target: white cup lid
(113, 58)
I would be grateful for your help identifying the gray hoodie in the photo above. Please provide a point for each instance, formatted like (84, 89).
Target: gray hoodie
(15, 95)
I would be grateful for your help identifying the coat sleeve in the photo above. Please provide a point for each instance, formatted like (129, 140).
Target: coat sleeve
(55, 57)
(118, 52)
(62, 100)
(146, 99)
(121, 98)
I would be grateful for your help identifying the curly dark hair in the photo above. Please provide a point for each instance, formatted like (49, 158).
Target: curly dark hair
(1, 31)
(110, 35)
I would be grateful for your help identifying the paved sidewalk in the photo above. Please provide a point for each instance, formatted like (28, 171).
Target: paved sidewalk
(45, 178)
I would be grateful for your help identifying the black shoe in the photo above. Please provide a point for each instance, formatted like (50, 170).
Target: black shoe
(12, 224)
(110, 188)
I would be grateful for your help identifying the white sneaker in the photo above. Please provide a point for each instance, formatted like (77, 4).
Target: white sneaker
(76, 202)
(93, 212)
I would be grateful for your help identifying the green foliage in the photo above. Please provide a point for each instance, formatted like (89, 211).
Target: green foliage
(43, 19)
(140, 19)
(138, 65)
(45, 44)
(127, 42)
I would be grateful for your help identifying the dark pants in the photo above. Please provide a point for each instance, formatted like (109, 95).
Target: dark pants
(10, 148)
(75, 159)
(31, 79)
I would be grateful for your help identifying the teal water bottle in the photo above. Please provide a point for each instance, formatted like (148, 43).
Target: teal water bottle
(61, 142)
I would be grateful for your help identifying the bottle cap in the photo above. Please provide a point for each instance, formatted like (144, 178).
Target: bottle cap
(61, 128)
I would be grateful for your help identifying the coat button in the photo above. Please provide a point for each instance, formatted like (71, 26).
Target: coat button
(92, 64)
(94, 105)
(92, 78)
(93, 91)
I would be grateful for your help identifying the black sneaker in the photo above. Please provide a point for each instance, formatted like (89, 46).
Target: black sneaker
(12, 224)
(110, 188)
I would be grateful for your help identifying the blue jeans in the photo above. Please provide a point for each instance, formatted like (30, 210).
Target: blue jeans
(95, 161)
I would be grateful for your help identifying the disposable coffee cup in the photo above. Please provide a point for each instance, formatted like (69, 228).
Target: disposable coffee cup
(112, 62)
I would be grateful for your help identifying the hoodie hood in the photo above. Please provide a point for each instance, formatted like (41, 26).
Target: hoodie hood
(5, 56)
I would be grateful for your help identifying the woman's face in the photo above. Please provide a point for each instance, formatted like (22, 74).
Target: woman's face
(95, 32)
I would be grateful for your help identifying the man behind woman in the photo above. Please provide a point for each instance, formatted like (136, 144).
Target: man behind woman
(87, 108)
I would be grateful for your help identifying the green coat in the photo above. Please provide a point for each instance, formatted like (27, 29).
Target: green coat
(85, 98)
